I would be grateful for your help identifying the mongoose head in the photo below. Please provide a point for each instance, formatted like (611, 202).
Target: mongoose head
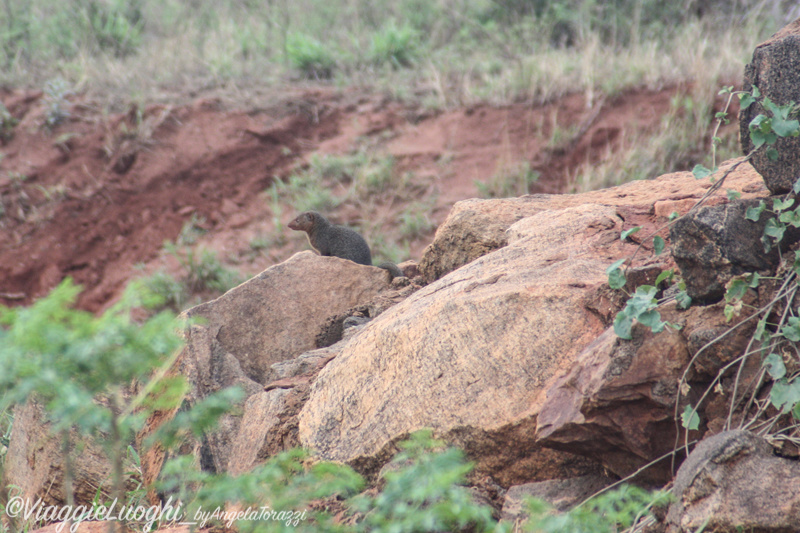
(306, 221)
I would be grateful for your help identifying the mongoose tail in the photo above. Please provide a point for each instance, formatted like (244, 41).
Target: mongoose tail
(394, 270)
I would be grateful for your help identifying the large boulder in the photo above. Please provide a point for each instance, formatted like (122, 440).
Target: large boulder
(734, 482)
(278, 314)
(775, 70)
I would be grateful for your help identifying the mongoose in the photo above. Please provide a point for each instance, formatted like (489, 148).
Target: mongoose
(337, 241)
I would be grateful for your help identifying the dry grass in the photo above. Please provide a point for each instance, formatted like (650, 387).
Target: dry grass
(454, 62)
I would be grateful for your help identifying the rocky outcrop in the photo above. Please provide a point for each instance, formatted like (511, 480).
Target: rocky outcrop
(472, 354)
(733, 482)
(774, 70)
(236, 339)
(469, 354)
(617, 403)
(477, 227)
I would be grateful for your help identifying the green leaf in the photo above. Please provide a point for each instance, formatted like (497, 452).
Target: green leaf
(623, 325)
(665, 275)
(729, 312)
(775, 366)
(757, 124)
(683, 299)
(785, 128)
(728, 89)
(745, 100)
(645, 297)
(785, 395)
(616, 276)
(772, 154)
(792, 330)
(628, 232)
(733, 195)
(774, 229)
(796, 265)
(771, 106)
(796, 186)
(673, 215)
(761, 332)
(701, 172)
(756, 92)
(761, 131)
(779, 205)
(641, 306)
(690, 419)
(658, 245)
(736, 289)
(791, 217)
(754, 213)
(652, 320)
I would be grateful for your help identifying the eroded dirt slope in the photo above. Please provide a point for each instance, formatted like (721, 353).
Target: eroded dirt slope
(99, 193)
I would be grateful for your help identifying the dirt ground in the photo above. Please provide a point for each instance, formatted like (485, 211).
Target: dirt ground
(100, 193)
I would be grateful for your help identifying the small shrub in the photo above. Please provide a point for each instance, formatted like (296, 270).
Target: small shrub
(286, 484)
(204, 270)
(191, 230)
(393, 45)
(371, 174)
(117, 25)
(172, 291)
(69, 358)
(305, 193)
(425, 491)
(310, 56)
(7, 124)
(616, 510)
(415, 221)
(312, 189)
(6, 423)
(509, 181)
(56, 92)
